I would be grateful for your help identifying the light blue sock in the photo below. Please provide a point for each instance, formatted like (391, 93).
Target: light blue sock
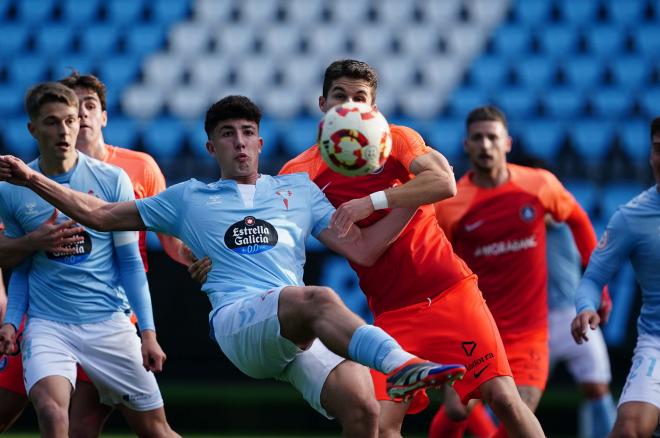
(372, 347)
(600, 415)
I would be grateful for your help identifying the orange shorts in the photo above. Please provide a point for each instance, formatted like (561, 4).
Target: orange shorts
(454, 327)
(529, 356)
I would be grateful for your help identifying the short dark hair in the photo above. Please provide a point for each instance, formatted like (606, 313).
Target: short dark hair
(48, 92)
(231, 107)
(486, 113)
(655, 127)
(90, 82)
(353, 69)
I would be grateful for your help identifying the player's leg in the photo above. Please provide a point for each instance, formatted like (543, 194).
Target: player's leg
(635, 420)
(147, 424)
(391, 418)
(50, 398)
(87, 414)
(451, 419)
(13, 399)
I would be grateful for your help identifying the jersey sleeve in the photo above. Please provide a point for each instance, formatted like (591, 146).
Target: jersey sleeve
(407, 145)
(322, 210)
(153, 177)
(11, 226)
(124, 192)
(310, 162)
(160, 213)
(558, 201)
(612, 251)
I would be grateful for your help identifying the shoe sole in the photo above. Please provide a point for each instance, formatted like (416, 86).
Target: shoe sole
(407, 392)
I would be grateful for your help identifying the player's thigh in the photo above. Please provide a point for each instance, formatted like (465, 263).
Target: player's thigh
(635, 419)
(113, 361)
(87, 413)
(12, 405)
(348, 392)
(530, 395)
(51, 391)
(248, 332)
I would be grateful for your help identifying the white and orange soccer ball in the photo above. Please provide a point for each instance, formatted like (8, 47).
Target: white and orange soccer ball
(354, 139)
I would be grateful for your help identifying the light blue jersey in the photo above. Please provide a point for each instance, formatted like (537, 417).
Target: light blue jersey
(633, 233)
(80, 288)
(564, 266)
(252, 249)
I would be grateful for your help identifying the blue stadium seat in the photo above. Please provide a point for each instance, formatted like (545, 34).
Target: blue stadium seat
(630, 72)
(563, 102)
(11, 100)
(143, 39)
(25, 71)
(446, 135)
(99, 40)
(168, 11)
(80, 11)
(558, 40)
(634, 139)
(163, 138)
(605, 40)
(489, 72)
(511, 40)
(591, 139)
(583, 72)
(4, 7)
(121, 131)
(533, 12)
(585, 192)
(34, 11)
(465, 99)
(54, 39)
(611, 102)
(63, 65)
(535, 72)
(124, 11)
(647, 39)
(18, 140)
(119, 71)
(624, 11)
(578, 12)
(616, 194)
(516, 102)
(298, 134)
(14, 39)
(197, 139)
(543, 138)
(650, 101)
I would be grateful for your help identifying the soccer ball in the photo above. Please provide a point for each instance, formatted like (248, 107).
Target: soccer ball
(354, 139)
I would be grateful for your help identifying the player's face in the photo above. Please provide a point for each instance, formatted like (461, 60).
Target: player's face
(487, 144)
(236, 146)
(55, 128)
(655, 157)
(347, 90)
(92, 118)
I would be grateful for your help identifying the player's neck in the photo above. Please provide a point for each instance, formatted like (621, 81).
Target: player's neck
(94, 149)
(247, 179)
(490, 178)
(51, 166)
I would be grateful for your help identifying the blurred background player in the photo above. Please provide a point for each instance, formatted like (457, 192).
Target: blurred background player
(265, 321)
(78, 305)
(426, 308)
(633, 233)
(496, 224)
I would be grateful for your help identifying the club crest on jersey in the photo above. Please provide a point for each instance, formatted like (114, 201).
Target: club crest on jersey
(285, 195)
(527, 213)
(251, 236)
(81, 251)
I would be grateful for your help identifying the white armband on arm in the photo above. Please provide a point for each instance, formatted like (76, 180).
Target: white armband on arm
(379, 200)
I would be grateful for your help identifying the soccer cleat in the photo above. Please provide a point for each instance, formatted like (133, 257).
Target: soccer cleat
(417, 374)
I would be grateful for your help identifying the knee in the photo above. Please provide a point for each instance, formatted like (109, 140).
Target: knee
(503, 398)
(629, 428)
(321, 298)
(51, 413)
(363, 414)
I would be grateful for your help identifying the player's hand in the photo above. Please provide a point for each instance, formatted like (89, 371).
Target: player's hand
(14, 171)
(56, 238)
(7, 339)
(200, 269)
(153, 357)
(587, 319)
(349, 213)
(605, 306)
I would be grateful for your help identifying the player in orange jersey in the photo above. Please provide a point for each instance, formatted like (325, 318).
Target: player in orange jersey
(420, 292)
(496, 224)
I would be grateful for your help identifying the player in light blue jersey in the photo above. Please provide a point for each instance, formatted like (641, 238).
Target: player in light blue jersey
(253, 227)
(633, 233)
(78, 304)
(588, 363)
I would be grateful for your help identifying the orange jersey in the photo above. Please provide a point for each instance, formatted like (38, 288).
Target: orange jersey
(500, 233)
(145, 175)
(420, 263)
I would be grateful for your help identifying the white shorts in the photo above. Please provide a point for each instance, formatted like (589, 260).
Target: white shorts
(248, 333)
(587, 362)
(643, 382)
(108, 351)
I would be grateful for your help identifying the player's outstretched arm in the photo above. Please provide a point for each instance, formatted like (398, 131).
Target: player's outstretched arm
(364, 246)
(86, 209)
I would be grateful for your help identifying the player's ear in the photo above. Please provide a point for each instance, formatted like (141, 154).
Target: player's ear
(261, 144)
(322, 103)
(210, 147)
(31, 129)
(104, 118)
(509, 142)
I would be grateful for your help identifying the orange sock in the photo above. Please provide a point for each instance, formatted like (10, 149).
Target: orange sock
(444, 427)
(501, 432)
(480, 423)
